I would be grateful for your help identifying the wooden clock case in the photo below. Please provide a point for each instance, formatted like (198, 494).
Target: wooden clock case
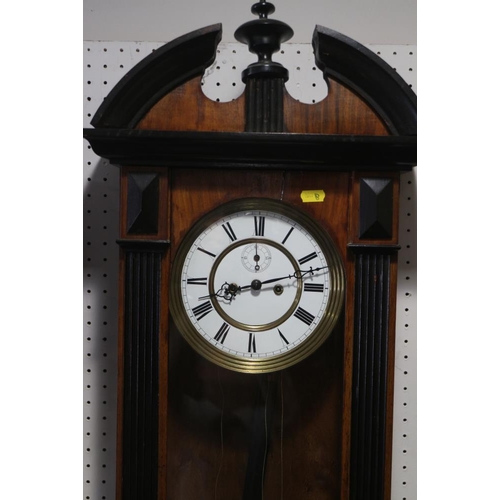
(319, 430)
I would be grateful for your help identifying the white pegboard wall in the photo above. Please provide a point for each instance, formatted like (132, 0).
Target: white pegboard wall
(404, 467)
(105, 63)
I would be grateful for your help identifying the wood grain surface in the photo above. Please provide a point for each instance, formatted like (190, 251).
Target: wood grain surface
(341, 112)
(188, 109)
(212, 411)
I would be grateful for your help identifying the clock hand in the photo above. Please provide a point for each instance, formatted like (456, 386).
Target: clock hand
(226, 291)
(257, 284)
(229, 290)
(256, 258)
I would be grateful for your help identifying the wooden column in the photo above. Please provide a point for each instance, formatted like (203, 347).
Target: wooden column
(141, 332)
(143, 245)
(373, 236)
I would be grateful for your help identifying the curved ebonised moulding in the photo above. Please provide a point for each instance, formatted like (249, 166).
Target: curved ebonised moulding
(156, 75)
(352, 64)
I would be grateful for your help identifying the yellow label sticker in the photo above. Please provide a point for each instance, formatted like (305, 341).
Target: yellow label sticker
(312, 195)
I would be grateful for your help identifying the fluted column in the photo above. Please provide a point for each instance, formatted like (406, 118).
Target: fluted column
(370, 372)
(141, 368)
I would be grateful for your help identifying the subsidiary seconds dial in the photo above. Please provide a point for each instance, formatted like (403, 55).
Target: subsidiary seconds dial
(257, 286)
(256, 257)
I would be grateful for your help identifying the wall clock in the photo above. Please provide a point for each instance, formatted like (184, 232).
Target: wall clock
(258, 262)
(256, 285)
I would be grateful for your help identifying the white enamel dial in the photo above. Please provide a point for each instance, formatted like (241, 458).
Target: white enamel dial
(254, 285)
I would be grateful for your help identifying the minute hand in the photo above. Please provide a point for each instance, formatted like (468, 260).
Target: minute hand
(297, 275)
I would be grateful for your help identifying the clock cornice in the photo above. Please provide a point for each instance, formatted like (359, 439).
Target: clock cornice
(253, 149)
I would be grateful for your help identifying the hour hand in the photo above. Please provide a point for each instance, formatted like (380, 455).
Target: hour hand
(227, 291)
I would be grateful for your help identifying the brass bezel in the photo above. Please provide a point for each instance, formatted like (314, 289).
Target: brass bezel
(232, 321)
(315, 338)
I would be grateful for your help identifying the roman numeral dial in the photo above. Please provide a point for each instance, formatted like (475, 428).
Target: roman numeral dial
(202, 310)
(221, 335)
(251, 343)
(256, 285)
(304, 316)
(229, 231)
(314, 287)
(259, 222)
(307, 258)
(197, 281)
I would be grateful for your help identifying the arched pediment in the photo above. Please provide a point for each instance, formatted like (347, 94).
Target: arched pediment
(157, 113)
(185, 58)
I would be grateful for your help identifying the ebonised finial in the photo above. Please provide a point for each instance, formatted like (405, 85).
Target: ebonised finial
(264, 37)
(263, 9)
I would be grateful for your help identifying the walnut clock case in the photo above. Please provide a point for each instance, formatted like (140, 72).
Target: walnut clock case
(258, 271)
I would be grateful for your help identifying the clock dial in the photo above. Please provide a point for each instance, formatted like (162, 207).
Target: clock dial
(257, 286)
